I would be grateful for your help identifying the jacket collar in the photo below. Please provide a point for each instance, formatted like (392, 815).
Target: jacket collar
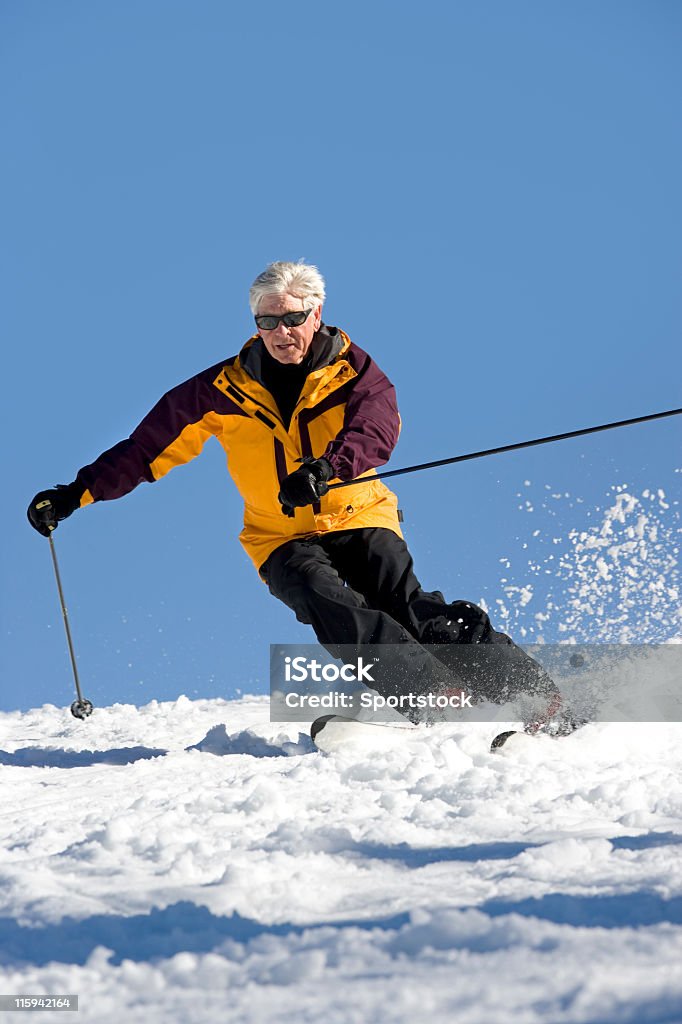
(326, 345)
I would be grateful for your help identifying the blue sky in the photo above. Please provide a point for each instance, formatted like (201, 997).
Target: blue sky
(492, 193)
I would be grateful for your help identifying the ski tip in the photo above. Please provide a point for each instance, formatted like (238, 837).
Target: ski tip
(501, 739)
(319, 724)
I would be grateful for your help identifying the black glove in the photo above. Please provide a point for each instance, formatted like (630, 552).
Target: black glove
(305, 485)
(49, 507)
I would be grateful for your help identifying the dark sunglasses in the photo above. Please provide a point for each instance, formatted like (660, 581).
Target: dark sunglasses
(295, 319)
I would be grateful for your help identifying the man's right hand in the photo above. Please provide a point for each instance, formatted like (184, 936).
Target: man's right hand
(305, 485)
(49, 507)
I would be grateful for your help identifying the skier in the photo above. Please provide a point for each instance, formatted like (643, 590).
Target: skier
(299, 407)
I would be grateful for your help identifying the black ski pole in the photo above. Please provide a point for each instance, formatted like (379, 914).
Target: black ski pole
(506, 448)
(81, 708)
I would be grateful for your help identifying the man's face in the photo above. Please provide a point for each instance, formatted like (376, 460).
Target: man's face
(288, 344)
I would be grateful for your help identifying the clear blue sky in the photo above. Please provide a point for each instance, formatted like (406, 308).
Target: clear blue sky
(492, 191)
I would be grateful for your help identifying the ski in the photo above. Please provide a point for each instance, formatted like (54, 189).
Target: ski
(333, 733)
(503, 738)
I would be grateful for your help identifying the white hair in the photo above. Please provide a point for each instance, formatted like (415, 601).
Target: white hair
(299, 279)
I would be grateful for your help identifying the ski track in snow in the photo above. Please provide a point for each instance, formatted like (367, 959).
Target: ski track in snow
(190, 861)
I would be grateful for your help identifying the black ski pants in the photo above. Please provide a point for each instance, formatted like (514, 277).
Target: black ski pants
(357, 587)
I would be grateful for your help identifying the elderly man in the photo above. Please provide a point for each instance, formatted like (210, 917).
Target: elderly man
(299, 407)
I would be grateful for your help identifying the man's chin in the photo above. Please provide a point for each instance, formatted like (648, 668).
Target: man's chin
(289, 355)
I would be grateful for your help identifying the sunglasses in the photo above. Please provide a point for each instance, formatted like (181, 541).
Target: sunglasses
(295, 319)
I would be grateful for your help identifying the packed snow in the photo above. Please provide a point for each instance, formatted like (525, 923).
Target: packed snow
(190, 861)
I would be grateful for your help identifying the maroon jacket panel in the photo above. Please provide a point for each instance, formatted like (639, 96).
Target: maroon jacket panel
(121, 468)
(371, 422)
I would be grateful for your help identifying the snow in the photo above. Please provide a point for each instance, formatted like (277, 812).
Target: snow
(623, 568)
(191, 861)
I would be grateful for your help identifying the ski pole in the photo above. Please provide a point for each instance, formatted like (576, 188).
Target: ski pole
(81, 708)
(506, 448)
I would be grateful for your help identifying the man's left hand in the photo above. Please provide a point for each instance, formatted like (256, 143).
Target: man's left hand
(305, 485)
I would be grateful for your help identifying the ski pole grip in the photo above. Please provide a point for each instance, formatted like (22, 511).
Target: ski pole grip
(45, 504)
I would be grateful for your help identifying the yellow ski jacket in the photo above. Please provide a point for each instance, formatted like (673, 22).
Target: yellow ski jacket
(346, 412)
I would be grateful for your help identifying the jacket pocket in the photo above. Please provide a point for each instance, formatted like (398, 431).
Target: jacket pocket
(366, 504)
